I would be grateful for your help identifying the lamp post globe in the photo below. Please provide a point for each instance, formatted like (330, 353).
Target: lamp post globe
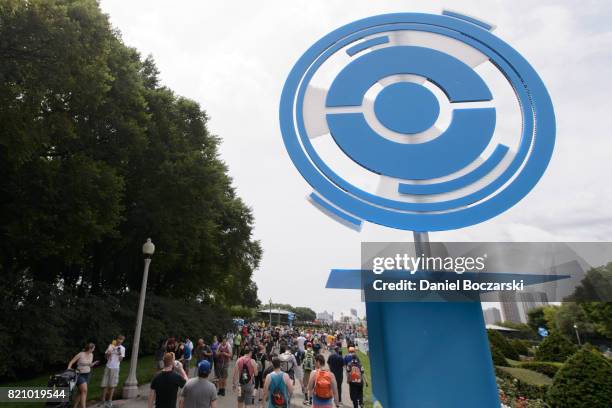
(148, 248)
(130, 388)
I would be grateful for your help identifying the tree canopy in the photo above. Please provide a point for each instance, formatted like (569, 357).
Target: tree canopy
(96, 156)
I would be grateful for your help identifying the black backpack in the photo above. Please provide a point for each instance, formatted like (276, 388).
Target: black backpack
(245, 374)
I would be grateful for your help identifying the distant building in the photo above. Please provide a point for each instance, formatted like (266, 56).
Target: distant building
(325, 317)
(531, 300)
(510, 308)
(492, 315)
(515, 306)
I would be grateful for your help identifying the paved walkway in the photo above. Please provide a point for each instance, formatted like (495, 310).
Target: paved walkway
(228, 401)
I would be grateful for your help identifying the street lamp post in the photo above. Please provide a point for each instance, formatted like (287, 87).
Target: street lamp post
(270, 313)
(577, 334)
(130, 388)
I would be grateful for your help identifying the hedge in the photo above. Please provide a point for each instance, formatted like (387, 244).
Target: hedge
(496, 339)
(585, 381)
(555, 347)
(542, 367)
(42, 336)
(498, 357)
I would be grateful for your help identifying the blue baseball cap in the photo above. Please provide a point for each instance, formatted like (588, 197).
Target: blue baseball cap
(204, 367)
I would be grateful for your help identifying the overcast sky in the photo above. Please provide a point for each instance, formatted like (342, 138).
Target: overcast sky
(233, 58)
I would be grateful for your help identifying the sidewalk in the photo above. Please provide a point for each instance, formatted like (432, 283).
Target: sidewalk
(228, 401)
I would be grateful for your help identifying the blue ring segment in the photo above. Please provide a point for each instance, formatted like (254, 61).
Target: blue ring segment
(455, 78)
(536, 109)
(364, 45)
(460, 182)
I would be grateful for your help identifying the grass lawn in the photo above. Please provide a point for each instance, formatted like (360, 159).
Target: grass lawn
(528, 376)
(146, 370)
(365, 362)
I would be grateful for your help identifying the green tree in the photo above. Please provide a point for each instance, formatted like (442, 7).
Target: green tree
(305, 314)
(555, 347)
(536, 318)
(585, 381)
(96, 156)
(497, 340)
(594, 296)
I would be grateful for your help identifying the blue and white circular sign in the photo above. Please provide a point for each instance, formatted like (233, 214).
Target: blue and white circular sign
(416, 121)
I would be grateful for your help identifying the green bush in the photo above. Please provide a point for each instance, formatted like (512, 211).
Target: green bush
(498, 357)
(585, 381)
(555, 347)
(496, 339)
(59, 324)
(548, 369)
(520, 346)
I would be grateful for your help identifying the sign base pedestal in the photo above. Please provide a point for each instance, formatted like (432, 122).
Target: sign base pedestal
(430, 354)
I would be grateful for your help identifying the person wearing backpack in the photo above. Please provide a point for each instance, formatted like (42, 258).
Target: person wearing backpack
(356, 380)
(308, 364)
(260, 359)
(244, 376)
(322, 386)
(288, 362)
(222, 359)
(277, 387)
(336, 366)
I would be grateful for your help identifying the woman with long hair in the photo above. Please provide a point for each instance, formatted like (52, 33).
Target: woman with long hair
(84, 362)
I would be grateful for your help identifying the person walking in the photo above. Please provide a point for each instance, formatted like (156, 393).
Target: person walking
(336, 366)
(237, 344)
(322, 386)
(308, 364)
(199, 392)
(115, 353)
(165, 385)
(260, 358)
(84, 362)
(203, 352)
(277, 386)
(159, 354)
(187, 354)
(244, 378)
(222, 359)
(356, 380)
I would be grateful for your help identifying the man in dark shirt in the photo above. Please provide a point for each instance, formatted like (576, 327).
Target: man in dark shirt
(336, 366)
(165, 385)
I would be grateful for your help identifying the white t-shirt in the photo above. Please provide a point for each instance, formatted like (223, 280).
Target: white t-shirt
(301, 340)
(115, 352)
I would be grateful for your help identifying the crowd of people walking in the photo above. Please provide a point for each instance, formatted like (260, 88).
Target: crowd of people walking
(269, 364)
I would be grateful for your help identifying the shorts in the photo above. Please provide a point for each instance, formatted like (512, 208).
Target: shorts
(259, 381)
(306, 379)
(246, 394)
(110, 378)
(221, 371)
(82, 378)
(322, 403)
(186, 365)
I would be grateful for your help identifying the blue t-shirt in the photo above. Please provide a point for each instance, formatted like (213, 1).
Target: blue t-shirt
(188, 350)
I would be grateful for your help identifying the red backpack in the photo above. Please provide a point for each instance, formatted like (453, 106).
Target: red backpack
(323, 385)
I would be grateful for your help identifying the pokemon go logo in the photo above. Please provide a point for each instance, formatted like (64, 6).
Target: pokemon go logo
(405, 98)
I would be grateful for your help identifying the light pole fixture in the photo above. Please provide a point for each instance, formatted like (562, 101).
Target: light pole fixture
(270, 313)
(577, 334)
(130, 388)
